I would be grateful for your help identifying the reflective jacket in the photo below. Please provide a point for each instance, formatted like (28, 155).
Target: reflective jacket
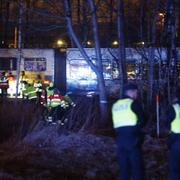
(122, 113)
(43, 98)
(48, 91)
(38, 85)
(4, 82)
(55, 100)
(175, 124)
(31, 92)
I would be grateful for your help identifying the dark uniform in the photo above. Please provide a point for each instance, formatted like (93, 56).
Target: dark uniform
(173, 124)
(128, 118)
(4, 84)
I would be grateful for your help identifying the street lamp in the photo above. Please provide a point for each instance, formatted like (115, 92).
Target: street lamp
(115, 42)
(60, 42)
(89, 43)
(161, 14)
(161, 19)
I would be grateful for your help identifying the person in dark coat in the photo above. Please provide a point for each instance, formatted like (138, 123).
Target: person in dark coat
(173, 125)
(4, 84)
(128, 119)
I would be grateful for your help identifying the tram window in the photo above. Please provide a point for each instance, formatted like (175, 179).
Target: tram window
(8, 64)
(34, 64)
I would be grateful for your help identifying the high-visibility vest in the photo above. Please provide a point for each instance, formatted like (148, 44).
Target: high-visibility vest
(38, 85)
(23, 78)
(122, 114)
(31, 92)
(49, 92)
(175, 124)
(25, 89)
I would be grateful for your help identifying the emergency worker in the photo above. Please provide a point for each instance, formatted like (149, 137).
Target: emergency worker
(23, 79)
(12, 84)
(43, 97)
(31, 93)
(38, 84)
(25, 90)
(173, 125)
(128, 119)
(49, 89)
(55, 103)
(4, 84)
(45, 93)
(68, 101)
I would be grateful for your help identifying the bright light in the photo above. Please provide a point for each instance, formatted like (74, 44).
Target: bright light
(60, 42)
(115, 43)
(12, 88)
(108, 67)
(161, 14)
(141, 43)
(46, 82)
(88, 42)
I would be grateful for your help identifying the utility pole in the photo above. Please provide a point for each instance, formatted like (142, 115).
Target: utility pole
(19, 56)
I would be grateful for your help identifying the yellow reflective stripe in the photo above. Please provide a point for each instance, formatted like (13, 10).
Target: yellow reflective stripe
(54, 102)
(175, 124)
(32, 97)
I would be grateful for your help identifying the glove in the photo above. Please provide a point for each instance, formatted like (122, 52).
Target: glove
(73, 104)
(49, 107)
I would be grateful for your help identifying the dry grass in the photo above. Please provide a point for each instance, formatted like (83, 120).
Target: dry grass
(17, 119)
(22, 161)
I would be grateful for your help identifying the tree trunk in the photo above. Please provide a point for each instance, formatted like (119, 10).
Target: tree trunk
(98, 69)
(149, 22)
(6, 33)
(27, 23)
(110, 29)
(1, 23)
(149, 84)
(78, 16)
(19, 45)
(121, 47)
(84, 23)
(101, 83)
(171, 47)
(152, 55)
(142, 19)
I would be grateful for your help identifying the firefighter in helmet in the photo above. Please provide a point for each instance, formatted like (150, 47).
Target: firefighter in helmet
(55, 102)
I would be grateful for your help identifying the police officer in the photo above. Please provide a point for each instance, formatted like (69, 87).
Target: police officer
(128, 119)
(173, 124)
